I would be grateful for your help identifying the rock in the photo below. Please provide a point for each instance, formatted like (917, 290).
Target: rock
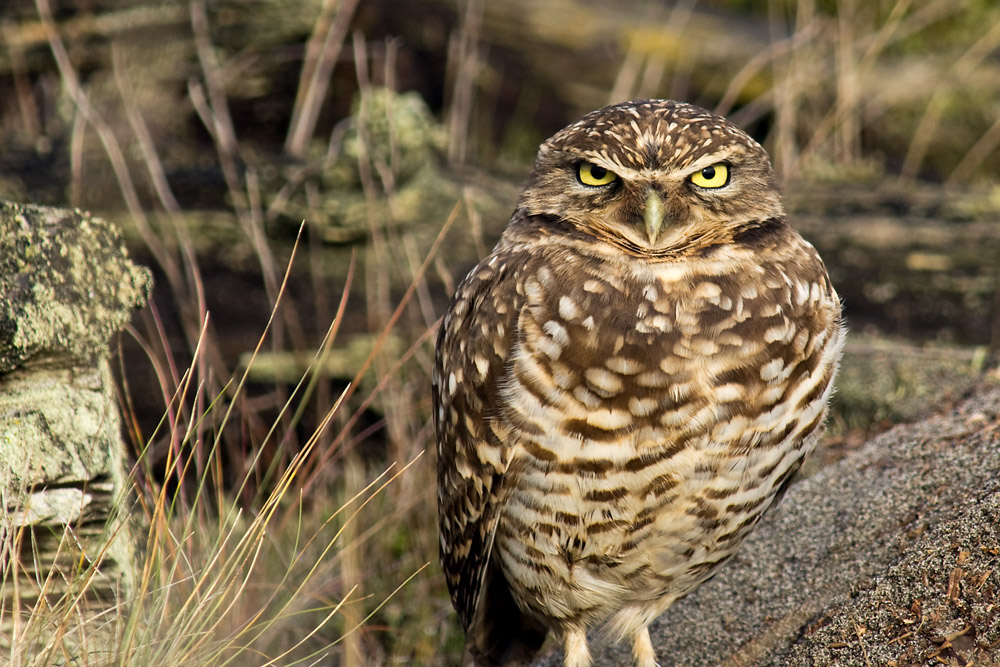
(66, 285)
(889, 557)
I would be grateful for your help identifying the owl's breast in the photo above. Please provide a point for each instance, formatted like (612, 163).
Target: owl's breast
(656, 412)
(693, 349)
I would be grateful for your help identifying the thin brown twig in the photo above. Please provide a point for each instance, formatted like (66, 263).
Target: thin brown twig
(680, 78)
(317, 66)
(212, 107)
(859, 632)
(464, 62)
(628, 74)
(28, 109)
(77, 136)
(115, 154)
(975, 156)
(147, 146)
(377, 281)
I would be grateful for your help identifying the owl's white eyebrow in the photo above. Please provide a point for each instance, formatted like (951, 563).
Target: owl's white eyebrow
(725, 154)
(709, 160)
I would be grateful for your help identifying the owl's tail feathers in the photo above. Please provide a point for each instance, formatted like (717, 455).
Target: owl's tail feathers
(500, 633)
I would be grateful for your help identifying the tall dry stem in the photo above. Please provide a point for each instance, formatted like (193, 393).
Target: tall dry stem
(322, 50)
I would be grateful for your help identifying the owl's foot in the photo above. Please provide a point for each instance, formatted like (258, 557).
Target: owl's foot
(642, 649)
(576, 653)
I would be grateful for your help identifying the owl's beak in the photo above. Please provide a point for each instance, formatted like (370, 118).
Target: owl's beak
(653, 216)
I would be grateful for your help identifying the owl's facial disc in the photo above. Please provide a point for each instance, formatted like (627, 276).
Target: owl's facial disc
(656, 178)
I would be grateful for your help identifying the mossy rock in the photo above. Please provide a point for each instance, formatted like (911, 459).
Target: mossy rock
(66, 281)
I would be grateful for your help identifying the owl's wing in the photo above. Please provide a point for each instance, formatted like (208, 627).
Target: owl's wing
(473, 449)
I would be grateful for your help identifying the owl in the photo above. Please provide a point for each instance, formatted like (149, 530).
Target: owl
(626, 383)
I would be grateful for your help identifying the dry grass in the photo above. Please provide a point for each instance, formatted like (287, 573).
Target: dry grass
(298, 564)
(840, 75)
(272, 540)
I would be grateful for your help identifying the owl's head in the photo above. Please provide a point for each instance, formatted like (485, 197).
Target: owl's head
(654, 177)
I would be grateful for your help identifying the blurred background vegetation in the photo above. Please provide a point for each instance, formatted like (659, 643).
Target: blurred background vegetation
(382, 143)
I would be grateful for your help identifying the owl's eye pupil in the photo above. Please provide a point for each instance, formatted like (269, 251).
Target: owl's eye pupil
(708, 172)
(592, 176)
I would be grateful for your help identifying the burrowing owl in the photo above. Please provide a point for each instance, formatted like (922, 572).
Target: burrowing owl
(626, 383)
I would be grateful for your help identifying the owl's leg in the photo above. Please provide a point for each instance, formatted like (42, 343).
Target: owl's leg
(576, 653)
(642, 649)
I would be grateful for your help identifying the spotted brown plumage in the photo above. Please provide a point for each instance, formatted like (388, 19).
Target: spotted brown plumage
(625, 384)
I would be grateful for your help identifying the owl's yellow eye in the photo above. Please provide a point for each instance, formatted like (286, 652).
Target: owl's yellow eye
(711, 177)
(591, 174)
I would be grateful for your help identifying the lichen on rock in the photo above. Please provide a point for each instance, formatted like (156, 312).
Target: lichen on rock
(66, 283)
(393, 146)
